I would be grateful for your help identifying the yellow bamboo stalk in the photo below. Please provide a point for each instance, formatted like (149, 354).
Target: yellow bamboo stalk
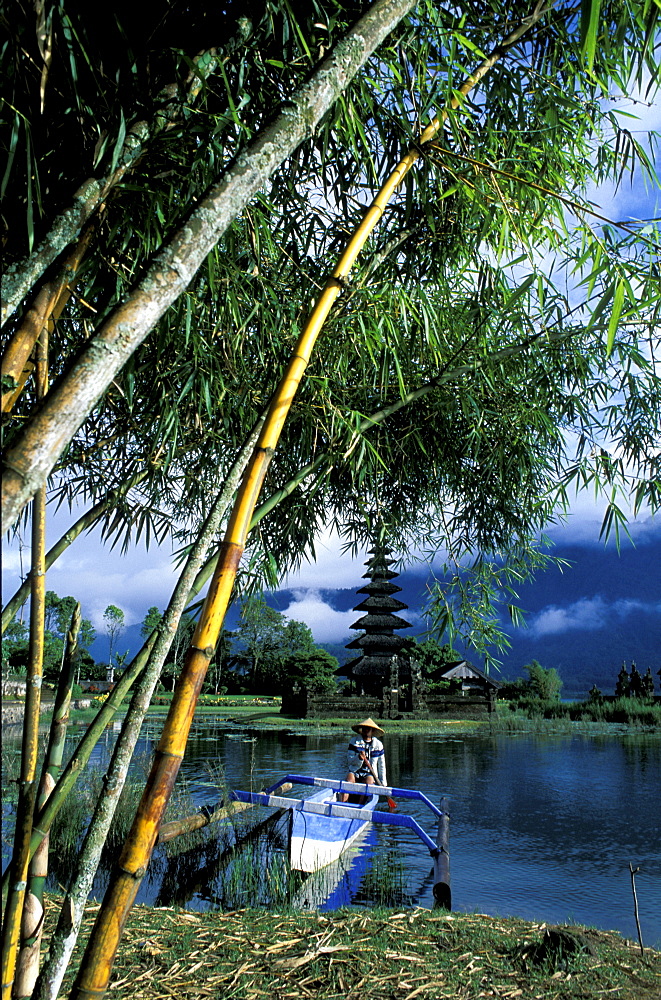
(201, 819)
(96, 966)
(46, 308)
(30, 746)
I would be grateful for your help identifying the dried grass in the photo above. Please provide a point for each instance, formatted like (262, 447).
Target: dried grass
(393, 955)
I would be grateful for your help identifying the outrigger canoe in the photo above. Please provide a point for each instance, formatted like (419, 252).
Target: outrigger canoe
(321, 828)
(318, 838)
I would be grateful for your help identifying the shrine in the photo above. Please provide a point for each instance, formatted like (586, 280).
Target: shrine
(382, 670)
(384, 681)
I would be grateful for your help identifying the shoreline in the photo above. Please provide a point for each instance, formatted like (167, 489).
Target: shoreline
(249, 719)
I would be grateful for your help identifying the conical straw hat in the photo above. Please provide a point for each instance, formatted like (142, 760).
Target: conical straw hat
(372, 724)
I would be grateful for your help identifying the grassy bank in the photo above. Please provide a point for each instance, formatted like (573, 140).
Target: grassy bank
(264, 712)
(383, 953)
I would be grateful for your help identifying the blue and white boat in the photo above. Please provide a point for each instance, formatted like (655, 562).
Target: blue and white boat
(321, 828)
(316, 839)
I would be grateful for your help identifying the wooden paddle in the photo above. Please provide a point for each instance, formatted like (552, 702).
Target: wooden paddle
(391, 802)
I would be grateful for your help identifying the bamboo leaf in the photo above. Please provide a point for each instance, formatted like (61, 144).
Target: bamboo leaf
(590, 12)
(618, 302)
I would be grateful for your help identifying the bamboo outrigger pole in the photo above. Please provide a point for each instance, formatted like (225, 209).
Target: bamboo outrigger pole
(96, 966)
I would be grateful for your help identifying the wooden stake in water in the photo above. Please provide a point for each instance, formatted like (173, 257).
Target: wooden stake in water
(442, 890)
(635, 906)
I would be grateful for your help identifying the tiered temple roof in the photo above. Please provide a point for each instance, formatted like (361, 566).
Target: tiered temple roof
(379, 623)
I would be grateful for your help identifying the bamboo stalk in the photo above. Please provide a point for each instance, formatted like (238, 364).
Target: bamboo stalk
(34, 909)
(87, 520)
(201, 819)
(47, 306)
(30, 744)
(96, 966)
(48, 432)
(66, 933)
(19, 278)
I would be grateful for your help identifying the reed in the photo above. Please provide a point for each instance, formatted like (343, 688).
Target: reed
(535, 715)
(384, 883)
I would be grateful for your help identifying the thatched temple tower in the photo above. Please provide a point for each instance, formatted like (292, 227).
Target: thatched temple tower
(380, 664)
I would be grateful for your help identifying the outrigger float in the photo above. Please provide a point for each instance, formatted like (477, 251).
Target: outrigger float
(321, 828)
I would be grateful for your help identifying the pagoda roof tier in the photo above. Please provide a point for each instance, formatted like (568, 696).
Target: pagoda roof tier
(380, 574)
(380, 622)
(379, 587)
(378, 604)
(379, 549)
(389, 644)
(372, 665)
(379, 565)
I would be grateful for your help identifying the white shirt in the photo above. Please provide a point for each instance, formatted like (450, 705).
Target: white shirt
(374, 752)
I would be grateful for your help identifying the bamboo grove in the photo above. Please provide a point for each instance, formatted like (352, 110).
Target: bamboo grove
(344, 255)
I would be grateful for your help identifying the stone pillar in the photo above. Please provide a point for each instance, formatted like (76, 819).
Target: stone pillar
(417, 688)
(391, 691)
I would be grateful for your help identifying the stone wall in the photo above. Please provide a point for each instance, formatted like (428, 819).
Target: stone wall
(460, 705)
(308, 706)
(339, 707)
(13, 712)
(13, 686)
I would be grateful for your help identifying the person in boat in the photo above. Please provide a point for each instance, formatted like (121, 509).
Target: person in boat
(366, 754)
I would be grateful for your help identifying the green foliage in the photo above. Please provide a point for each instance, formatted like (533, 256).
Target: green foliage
(113, 618)
(543, 682)
(271, 653)
(313, 669)
(490, 353)
(259, 639)
(14, 648)
(151, 621)
(182, 640)
(58, 612)
(430, 654)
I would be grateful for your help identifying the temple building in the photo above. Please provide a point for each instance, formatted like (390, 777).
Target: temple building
(383, 680)
(369, 671)
(381, 670)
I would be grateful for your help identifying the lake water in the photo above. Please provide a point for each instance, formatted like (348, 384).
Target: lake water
(542, 827)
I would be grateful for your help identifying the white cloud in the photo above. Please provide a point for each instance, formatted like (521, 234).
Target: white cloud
(333, 569)
(583, 524)
(327, 624)
(586, 614)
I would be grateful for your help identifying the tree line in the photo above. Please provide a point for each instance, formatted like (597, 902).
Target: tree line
(265, 654)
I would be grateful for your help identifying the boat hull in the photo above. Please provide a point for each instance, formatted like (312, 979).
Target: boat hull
(316, 840)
